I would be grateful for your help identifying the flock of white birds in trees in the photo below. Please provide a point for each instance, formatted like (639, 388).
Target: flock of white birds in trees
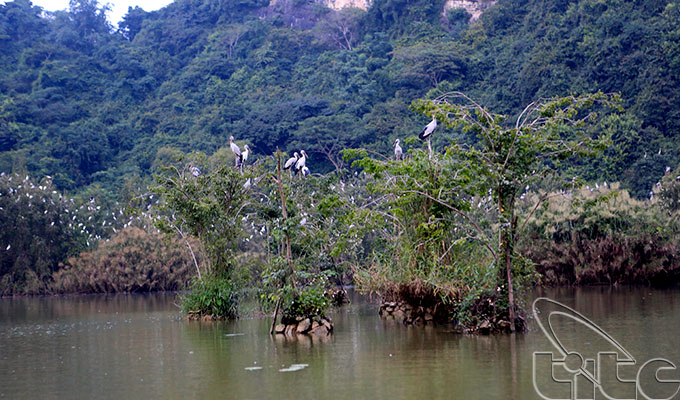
(297, 163)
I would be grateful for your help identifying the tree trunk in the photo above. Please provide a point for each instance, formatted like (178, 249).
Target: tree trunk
(506, 245)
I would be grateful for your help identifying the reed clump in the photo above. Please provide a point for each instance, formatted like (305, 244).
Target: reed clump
(603, 236)
(134, 260)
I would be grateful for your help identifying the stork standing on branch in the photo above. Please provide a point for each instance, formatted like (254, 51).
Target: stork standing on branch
(427, 132)
(290, 163)
(301, 162)
(398, 152)
(244, 156)
(236, 150)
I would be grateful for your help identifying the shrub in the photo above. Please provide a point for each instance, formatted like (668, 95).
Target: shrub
(604, 236)
(310, 301)
(133, 261)
(215, 297)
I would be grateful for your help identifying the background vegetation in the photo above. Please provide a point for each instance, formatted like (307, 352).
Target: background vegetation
(93, 105)
(114, 119)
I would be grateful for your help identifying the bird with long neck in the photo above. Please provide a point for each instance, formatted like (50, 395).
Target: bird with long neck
(301, 162)
(245, 153)
(427, 132)
(397, 150)
(244, 156)
(235, 149)
(290, 163)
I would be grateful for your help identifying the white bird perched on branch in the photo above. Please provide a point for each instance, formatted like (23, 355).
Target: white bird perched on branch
(305, 171)
(397, 150)
(245, 154)
(427, 132)
(235, 149)
(291, 161)
(301, 161)
(428, 129)
(194, 170)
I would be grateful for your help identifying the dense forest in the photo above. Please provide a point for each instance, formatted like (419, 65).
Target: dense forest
(118, 173)
(99, 108)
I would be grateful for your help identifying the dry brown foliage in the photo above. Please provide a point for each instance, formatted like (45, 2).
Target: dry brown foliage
(134, 260)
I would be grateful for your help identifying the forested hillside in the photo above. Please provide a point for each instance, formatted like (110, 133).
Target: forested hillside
(94, 106)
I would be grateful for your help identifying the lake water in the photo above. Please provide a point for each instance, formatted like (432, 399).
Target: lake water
(138, 347)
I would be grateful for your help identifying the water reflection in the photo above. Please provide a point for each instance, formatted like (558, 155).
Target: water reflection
(139, 347)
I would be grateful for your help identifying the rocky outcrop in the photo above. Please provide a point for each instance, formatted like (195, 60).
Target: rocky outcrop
(195, 316)
(440, 314)
(410, 315)
(473, 7)
(340, 4)
(488, 326)
(305, 326)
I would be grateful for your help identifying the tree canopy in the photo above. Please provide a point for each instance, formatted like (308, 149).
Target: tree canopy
(91, 104)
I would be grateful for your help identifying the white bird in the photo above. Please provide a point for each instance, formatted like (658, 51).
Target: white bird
(397, 150)
(428, 129)
(301, 161)
(235, 149)
(305, 171)
(244, 154)
(194, 170)
(291, 161)
(668, 169)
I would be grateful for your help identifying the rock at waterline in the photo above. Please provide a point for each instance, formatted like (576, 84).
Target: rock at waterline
(319, 326)
(304, 326)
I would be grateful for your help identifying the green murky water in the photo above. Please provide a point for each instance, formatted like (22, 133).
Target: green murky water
(138, 347)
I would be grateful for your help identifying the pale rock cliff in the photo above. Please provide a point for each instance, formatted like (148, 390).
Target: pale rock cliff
(473, 7)
(340, 4)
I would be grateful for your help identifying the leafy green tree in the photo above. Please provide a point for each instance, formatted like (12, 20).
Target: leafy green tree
(454, 215)
(309, 244)
(431, 63)
(46, 228)
(209, 206)
(507, 157)
(342, 28)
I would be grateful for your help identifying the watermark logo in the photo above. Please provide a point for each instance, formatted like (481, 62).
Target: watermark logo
(611, 373)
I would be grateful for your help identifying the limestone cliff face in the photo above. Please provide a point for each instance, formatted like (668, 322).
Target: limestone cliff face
(473, 7)
(339, 4)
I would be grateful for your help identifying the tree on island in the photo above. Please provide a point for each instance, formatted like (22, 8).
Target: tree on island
(455, 216)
